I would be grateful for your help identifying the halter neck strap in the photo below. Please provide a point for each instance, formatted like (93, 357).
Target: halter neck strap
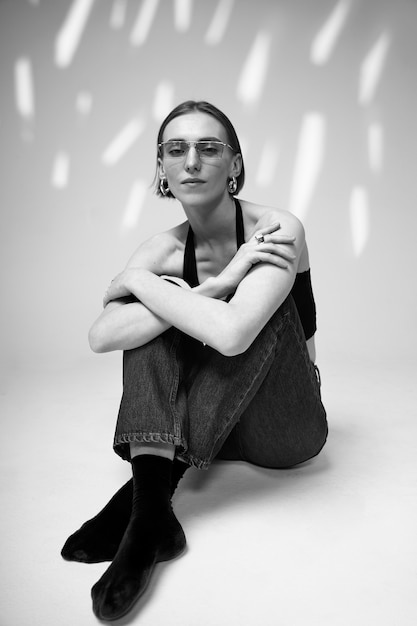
(190, 265)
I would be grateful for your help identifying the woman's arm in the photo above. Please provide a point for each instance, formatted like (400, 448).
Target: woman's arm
(124, 325)
(231, 327)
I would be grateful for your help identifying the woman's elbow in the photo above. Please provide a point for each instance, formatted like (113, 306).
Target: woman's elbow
(232, 351)
(236, 348)
(96, 340)
(232, 344)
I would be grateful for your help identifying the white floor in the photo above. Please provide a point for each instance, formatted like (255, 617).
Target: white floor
(331, 543)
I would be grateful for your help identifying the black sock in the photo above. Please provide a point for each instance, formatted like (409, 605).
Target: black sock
(99, 538)
(152, 535)
(178, 470)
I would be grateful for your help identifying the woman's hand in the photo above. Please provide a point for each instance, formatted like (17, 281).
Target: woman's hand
(265, 246)
(121, 285)
(118, 287)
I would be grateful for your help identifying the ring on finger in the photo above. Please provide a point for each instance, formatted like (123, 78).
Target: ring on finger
(260, 238)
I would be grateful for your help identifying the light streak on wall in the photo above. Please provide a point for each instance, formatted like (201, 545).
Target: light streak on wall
(24, 91)
(118, 14)
(359, 219)
(143, 24)
(134, 205)
(60, 170)
(164, 100)
(326, 39)
(84, 103)
(308, 163)
(254, 70)
(372, 68)
(182, 15)
(267, 164)
(375, 147)
(123, 141)
(218, 24)
(68, 38)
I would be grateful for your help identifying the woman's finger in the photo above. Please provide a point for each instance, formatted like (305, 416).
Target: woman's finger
(277, 251)
(259, 234)
(277, 239)
(269, 229)
(273, 248)
(269, 234)
(268, 257)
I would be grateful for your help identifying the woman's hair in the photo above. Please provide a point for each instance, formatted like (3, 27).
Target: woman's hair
(191, 106)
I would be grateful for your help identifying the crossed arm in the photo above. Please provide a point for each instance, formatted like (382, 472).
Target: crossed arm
(262, 276)
(125, 324)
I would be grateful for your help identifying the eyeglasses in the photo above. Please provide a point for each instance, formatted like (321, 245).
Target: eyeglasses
(206, 150)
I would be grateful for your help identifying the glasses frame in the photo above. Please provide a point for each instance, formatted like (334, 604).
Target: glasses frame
(194, 145)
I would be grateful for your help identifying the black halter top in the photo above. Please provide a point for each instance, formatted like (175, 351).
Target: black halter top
(301, 290)
(190, 265)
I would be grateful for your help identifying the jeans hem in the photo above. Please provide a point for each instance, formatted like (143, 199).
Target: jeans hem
(194, 461)
(124, 439)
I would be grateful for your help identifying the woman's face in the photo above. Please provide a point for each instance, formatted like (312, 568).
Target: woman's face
(190, 178)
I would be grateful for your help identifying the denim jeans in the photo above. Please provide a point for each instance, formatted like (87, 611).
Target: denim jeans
(262, 406)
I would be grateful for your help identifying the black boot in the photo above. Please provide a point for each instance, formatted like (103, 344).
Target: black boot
(99, 538)
(152, 535)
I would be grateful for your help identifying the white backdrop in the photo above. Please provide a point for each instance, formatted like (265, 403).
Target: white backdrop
(323, 96)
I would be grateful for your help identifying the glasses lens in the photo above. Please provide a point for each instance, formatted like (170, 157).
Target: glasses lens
(207, 150)
(174, 149)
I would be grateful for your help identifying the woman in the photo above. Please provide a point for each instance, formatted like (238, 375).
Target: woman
(217, 362)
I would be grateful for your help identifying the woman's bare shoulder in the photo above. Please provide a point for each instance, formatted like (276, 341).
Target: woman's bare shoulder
(162, 253)
(258, 216)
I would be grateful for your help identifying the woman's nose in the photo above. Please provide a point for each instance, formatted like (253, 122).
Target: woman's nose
(192, 160)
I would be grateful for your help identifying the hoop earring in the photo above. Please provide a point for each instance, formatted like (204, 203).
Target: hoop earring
(232, 185)
(163, 188)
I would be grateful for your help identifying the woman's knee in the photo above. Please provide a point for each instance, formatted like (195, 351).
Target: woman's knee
(284, 452)
(154, 355)
(314, 444)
